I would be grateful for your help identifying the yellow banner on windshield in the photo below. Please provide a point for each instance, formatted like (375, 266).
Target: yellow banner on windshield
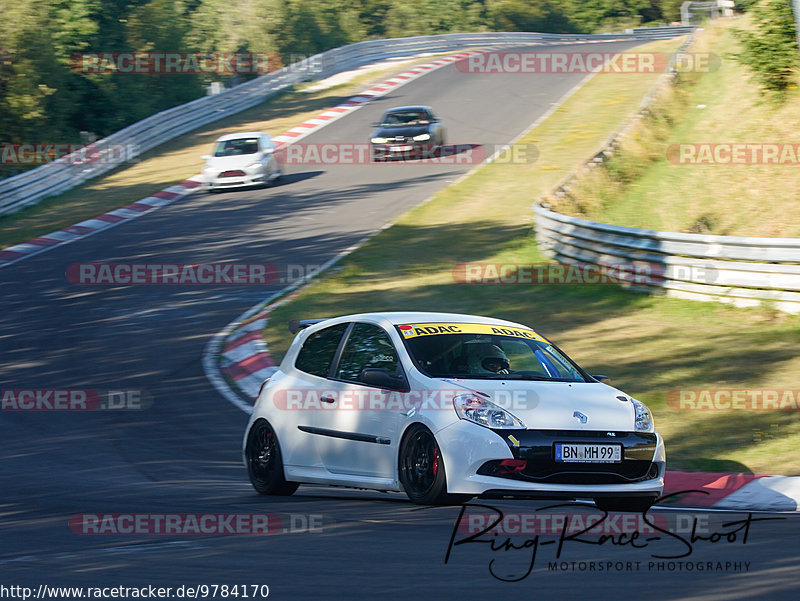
(412, 330)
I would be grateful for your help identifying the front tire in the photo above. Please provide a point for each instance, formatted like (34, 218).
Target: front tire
(422, 472)
(264, 462)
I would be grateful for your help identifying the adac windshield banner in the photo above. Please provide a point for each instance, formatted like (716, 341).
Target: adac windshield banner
(434, 329)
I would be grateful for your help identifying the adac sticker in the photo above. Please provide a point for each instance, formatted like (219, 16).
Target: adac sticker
(434, 329)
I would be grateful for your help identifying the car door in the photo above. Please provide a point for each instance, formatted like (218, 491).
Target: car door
(358, 433)
(297, 405)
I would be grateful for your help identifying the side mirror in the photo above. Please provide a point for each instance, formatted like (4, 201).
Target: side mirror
(380, 377)
(376, 125)
(206, 157)
(601, 377)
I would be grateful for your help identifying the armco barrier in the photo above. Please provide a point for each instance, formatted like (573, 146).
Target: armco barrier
(740, 270)
(28, 188)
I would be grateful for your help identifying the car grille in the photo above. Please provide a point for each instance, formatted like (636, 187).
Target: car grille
(537, 447)
(233, 173)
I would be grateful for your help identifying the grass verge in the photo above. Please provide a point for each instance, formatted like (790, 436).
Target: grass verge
(642, 187)
(650, 345)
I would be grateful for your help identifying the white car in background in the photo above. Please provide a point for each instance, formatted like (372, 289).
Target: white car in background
(241, 160)
(447, 407)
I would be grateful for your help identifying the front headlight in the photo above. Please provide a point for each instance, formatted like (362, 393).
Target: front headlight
(422, 137)
(379, 140)
(484, 413)
(644, 419)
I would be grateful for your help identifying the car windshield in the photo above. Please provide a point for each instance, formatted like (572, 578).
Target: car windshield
(239, 146)
(405, 118)
(486, 352)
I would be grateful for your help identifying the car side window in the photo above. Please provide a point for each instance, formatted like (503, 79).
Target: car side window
(367, 345)
(319, 350)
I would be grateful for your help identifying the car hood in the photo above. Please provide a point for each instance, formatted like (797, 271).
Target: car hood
(407, 132)
(239, 161)
(556, 405)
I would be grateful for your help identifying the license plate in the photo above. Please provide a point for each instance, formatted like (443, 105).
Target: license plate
(400, 148)
(588, 453)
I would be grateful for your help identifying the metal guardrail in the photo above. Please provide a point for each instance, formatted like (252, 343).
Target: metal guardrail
(744, 271)
(740, 270)
(28, 188)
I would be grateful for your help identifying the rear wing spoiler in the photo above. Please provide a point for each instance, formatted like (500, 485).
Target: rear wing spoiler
(295, 325)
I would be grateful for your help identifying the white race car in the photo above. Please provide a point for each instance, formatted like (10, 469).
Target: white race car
(447, 407)
(240, 160)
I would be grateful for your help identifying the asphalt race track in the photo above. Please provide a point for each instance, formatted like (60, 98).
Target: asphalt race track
(181, 452)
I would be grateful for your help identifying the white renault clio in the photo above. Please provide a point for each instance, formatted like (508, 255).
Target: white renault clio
(447, 407)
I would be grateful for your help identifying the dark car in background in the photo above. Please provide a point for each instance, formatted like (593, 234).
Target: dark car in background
(407, 132)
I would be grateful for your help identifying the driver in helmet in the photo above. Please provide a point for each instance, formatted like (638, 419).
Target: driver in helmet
(485, 357)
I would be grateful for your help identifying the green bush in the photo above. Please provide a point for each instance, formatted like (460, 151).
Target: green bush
(770, 51)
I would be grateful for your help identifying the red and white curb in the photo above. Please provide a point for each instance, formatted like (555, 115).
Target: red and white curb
(245, 360)
(84, 229)
(735, 491)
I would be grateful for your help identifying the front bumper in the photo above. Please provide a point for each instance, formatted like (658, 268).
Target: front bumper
(403, 150)
(472, 454)
(237, 181)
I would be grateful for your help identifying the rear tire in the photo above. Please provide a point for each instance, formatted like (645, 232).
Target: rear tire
(628, 504)
(422, 471)
(264, 462)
